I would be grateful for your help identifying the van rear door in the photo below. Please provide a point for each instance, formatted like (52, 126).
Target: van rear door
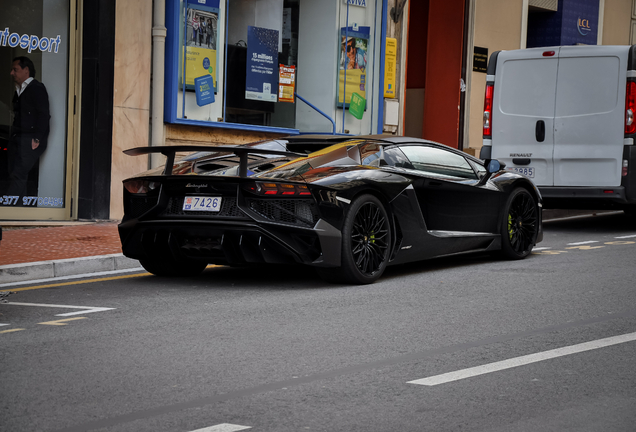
(590, 116)
(523, 112)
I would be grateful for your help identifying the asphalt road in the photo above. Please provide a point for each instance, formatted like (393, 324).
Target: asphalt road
(464, 344)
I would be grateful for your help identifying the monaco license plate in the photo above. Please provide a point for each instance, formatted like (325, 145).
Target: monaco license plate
(202, 203)
(526, 171)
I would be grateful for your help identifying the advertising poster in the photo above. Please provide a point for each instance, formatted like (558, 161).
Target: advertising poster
(286, 83)
(353, 63)
(390, 64)
(201, 42)
(203, 86)
(261, 78)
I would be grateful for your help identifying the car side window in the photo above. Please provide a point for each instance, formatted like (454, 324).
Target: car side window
(481, 170)
(438, 162)
(371, 154)
(393, 156)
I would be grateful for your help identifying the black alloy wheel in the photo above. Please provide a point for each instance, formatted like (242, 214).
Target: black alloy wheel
(366, 241)
(520, 225)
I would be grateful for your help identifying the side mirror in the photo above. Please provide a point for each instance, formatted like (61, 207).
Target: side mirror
(492, 166)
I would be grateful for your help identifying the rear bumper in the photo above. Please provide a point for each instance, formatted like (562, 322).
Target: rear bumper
(585, 197)
(233, 243)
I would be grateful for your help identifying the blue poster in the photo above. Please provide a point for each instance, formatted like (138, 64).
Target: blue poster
(261, 78)
(204, 87)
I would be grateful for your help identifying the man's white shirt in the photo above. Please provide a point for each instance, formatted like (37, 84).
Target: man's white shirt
(19, 89)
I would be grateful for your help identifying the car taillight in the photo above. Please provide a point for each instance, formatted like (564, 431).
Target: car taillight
(630, 108)
(625, 167)
(490, 89)
(266, 188)
(140, 186)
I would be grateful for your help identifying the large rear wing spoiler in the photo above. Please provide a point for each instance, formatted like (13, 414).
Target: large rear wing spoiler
(170, 151)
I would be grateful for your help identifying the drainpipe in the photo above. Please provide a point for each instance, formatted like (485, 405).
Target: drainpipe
(158, 63)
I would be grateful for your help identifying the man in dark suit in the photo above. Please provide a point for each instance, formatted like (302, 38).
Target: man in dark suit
(30, 128)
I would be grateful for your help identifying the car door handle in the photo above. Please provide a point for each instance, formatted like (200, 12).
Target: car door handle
(521, 161)
(539, 131)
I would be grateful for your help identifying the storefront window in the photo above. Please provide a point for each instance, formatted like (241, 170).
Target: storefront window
(34, 50)
(253, 57)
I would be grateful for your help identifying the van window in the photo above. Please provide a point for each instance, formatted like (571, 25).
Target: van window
(587, 85)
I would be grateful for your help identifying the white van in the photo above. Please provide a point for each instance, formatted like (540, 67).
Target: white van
(564, 116)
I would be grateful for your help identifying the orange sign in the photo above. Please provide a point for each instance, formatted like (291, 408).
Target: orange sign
(286, 83)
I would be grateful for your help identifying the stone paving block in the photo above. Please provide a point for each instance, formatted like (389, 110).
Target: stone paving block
(58, 242)
(83, 265)
(25, 272)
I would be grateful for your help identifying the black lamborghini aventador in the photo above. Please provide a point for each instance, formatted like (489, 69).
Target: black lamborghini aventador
(346, 206)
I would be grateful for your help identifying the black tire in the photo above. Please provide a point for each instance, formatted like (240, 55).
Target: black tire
(520, 225)
(366, 243)
(630, 211)
(169, 267)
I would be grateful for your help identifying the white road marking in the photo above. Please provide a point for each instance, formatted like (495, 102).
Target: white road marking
(79, 276)
(582, 243)
(3, 324)
(540, 248)
(523, 360)
(86, 309)
(223, 427)
(627, 236)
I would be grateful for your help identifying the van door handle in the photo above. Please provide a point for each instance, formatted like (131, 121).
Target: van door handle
(539, 131)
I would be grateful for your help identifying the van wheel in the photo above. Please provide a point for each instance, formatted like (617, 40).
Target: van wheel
(520, 225)
(170, 267)
(366, 241)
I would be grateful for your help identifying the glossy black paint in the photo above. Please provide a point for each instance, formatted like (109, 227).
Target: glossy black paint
(429, 216)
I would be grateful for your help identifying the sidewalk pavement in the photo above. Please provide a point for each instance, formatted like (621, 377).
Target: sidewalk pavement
(33, 252)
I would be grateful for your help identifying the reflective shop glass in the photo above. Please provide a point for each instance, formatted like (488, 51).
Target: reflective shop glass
(33, 125)
(273, 65)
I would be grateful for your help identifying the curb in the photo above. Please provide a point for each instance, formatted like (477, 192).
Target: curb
(66, 267)
(12, 273)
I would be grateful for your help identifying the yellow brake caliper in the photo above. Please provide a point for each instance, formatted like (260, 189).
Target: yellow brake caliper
(510, 226)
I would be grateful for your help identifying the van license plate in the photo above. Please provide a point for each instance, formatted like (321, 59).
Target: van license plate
(526, 171)
(201, 203)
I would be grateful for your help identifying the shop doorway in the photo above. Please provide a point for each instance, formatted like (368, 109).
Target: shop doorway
(434, 70)
(33, 127)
